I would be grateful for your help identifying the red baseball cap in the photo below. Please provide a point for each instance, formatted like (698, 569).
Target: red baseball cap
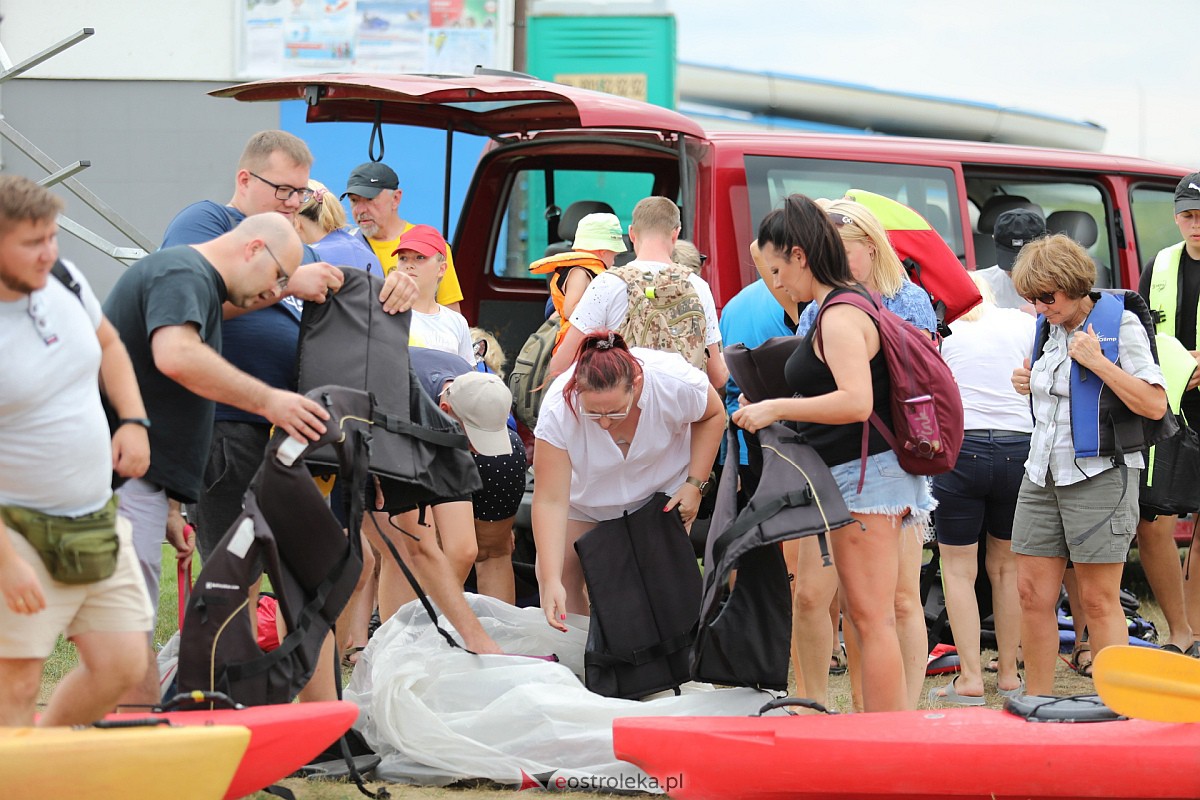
(424, 239)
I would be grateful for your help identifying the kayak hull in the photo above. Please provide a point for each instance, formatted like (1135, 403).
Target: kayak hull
(148, 762)
(912, 755)
(283, 738)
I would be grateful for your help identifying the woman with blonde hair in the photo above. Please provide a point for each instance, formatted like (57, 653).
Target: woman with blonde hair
(873, 264)
(321, 223)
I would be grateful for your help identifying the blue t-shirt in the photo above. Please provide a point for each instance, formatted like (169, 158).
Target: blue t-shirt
(910, 304)
(262, 343)
(342, 249)
(750, 317)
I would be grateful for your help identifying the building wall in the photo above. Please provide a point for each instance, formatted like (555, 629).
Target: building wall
(155, 146)
(134, 39)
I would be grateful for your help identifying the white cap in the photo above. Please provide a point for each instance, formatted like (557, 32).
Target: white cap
(482, 402)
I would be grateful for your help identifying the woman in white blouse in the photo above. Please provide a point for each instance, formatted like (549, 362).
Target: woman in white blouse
(618, 426)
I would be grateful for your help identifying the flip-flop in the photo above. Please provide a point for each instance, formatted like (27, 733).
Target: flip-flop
(1013, 693)
(949, 694)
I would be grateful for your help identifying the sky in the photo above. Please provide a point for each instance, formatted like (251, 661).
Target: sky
(1130, 66)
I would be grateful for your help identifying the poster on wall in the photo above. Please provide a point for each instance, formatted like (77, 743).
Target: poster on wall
(296, 37)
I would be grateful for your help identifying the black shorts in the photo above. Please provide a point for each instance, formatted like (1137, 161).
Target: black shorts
(503, 482)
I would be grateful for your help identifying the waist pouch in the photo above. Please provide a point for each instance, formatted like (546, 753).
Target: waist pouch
(74, 549)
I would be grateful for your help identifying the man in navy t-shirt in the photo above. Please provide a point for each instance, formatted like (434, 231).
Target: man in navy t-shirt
(272, 175)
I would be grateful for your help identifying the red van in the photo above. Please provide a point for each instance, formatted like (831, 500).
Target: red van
(558, 152)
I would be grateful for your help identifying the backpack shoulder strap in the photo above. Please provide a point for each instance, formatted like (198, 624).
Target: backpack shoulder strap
(869, 305)
(64, 276)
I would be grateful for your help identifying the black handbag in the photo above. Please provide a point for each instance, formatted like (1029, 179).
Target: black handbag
(1171, 480)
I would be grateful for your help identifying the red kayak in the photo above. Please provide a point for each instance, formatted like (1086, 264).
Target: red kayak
(283, 738)
(912, 755)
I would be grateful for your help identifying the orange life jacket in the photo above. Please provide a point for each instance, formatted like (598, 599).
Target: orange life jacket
(560, 266)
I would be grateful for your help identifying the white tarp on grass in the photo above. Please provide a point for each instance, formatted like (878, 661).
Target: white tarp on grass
(437, 715)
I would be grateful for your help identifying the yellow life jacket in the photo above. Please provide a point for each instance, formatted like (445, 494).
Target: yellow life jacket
(1164, 289)
(560, 267)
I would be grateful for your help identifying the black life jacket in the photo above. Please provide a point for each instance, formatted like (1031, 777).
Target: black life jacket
(744, 633)
(644, 588)
(416, 450)
(288, 531)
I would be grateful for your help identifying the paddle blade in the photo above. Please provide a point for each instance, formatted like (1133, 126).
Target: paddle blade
(1145, 683)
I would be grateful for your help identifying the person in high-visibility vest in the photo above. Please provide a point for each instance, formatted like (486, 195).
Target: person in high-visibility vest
(1171, 287)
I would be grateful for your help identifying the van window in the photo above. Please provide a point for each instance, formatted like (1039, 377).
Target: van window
(928, 190)
(1153, 220)
(525, 232)
(1076, 209)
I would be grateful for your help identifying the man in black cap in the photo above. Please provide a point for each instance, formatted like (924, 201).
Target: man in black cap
(374, 192)
(1171, 287)
(1014, 229)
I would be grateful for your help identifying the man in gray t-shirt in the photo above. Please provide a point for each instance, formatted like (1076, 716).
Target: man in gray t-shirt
(1014, 229)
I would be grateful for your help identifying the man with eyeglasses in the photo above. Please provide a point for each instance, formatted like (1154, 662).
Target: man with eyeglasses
(168, 310)
(272, 176)
(56, 459)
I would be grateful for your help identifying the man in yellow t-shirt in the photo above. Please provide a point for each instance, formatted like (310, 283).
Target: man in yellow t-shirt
(374, 192)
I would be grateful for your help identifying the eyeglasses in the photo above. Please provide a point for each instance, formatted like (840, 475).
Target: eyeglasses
(613, 415)
(284, 192)
(281, 281)
(1045, 298)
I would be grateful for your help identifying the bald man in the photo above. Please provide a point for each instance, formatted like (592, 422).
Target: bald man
(167, 309)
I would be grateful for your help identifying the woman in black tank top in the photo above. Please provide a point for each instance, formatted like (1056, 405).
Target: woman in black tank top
(843, 382)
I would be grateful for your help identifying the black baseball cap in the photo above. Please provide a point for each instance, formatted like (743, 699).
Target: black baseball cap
(1014, 229)
(368, 180)
(1187, 194)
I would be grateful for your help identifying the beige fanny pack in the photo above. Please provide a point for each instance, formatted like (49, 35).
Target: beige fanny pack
(74, 549)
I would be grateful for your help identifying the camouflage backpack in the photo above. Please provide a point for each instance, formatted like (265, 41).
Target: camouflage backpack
(665, 312)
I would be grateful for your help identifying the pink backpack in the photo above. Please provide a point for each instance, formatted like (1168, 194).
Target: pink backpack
(927, 412)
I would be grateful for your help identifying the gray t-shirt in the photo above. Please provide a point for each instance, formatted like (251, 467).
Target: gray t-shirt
(1002, 286)
(55, 449)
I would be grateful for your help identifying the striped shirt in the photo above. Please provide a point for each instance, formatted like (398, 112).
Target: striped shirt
(1051, 448)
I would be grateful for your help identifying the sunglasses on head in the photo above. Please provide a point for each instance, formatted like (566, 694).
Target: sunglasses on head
(1045, 298)
(838, 219)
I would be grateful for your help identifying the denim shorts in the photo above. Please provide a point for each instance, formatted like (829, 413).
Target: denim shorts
(980, 495)
(887, 489)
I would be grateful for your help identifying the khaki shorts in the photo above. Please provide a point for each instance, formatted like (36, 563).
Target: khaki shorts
(117, 604)
(1048, 517)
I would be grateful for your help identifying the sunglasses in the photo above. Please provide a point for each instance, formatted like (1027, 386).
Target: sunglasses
(839, 220)
(1045, 298)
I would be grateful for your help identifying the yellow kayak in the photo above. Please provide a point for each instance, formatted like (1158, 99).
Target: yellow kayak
(193, 763)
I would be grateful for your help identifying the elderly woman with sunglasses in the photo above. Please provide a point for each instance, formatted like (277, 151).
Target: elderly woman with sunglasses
(1073, 505)
(616, 427)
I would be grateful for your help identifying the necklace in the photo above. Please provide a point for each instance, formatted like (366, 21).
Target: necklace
(621, 441)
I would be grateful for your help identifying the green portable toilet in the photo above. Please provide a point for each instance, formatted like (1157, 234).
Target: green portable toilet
(624, 48)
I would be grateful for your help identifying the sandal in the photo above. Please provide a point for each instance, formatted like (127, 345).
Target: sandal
(837, 661)
(1081, 667)
(350, 657)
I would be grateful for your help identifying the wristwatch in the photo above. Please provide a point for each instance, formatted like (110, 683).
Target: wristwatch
(699, 484)
(145, 423)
